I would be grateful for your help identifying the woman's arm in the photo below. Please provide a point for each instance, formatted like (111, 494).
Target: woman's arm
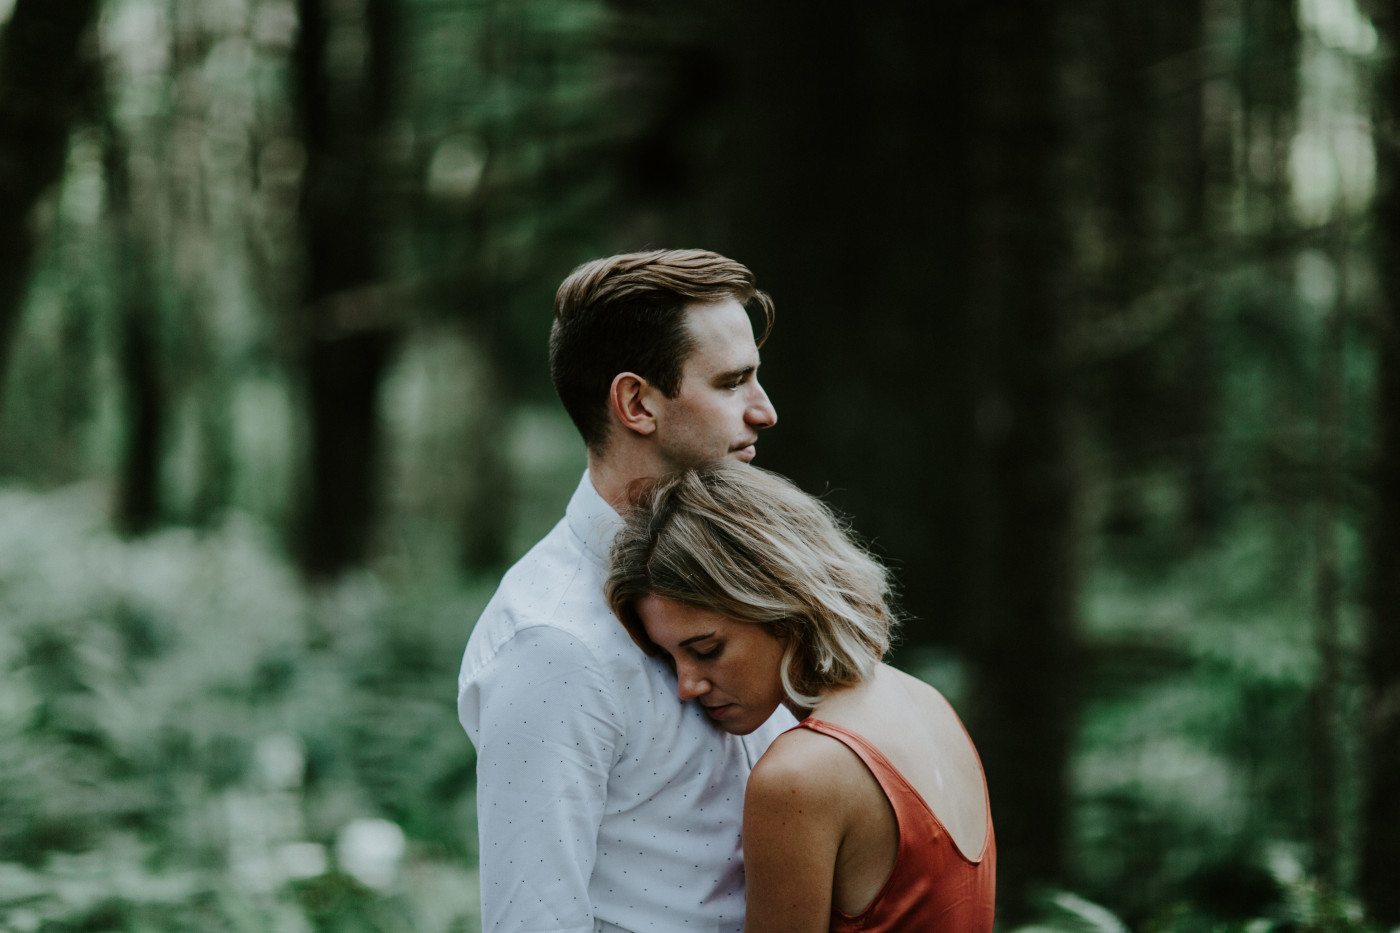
(793, 826)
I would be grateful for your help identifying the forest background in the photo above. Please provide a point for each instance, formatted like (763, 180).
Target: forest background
(1087, 314)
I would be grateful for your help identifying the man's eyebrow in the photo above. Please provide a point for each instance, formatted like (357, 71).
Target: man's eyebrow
(692, 640)
(734, 374)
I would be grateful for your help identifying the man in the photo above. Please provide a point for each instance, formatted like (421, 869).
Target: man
(604, 802)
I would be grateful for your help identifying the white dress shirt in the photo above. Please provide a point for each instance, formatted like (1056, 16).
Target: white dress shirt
(604, 803)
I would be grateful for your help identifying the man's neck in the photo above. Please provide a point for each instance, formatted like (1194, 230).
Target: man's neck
(612, 478)
(614, 472)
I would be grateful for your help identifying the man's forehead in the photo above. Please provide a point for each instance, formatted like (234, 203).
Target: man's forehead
(719, 326)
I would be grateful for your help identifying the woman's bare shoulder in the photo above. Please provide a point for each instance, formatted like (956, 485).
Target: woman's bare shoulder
(806, 764)
(916, 688)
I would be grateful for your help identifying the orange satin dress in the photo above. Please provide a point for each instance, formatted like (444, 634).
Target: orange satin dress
(933, 885)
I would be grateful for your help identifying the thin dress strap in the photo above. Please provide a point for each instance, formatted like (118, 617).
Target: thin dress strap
(932, 886)
(895, 785)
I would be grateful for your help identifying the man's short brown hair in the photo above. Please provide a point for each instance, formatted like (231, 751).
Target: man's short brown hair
(625, 313)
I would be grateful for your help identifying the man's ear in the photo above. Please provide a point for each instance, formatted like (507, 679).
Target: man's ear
(631, 400)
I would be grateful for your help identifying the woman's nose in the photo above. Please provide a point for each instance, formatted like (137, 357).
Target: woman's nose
(690, 685)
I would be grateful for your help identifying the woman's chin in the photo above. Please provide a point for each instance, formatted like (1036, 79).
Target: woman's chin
(736, 720)
(729, 718)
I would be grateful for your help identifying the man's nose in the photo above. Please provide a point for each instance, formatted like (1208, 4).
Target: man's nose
(761, 412)
(690, 685)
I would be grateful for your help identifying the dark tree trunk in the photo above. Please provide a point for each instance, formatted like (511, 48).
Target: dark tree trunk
(1190, 174)
(1325, 745)
(1268, 69)
(1023, 698)
(486, 515)
(43, 71)
(1380, 815)
(896, 187)
(1122, 384)
(1145, 352)
(845, 192)
(138, 501)
(349, 328)
(145, 397)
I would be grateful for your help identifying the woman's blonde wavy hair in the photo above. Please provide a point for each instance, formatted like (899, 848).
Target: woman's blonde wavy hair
(750, 545)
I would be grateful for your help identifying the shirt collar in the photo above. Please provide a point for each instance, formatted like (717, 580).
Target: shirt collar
(594, 521)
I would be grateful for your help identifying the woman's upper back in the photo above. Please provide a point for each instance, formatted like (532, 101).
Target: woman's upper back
(891, 775)
(917, 730)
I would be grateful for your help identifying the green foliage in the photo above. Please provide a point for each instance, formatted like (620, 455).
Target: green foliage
(1193, 767)
(188, 737)
(1302, 906)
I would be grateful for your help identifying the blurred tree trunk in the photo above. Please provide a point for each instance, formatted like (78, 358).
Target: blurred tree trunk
(1181, 190)
(843, 188)
(905, 210)
(1200, 359)
(1380, 815)
(1189, 172)
(484, 525)
(1268, 69)
(200, 368)
(1125, 387)
(138, 499)
(146, 400)
(1267, 72)
(507, 358)
(1147, 363)
(1024, 630)
(344, 70)
(42, 76)
(1325, 743)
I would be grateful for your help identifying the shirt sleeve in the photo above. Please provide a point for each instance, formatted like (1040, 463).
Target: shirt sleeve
(547, 737)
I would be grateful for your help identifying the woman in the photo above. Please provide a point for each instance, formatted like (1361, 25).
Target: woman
(872, 814)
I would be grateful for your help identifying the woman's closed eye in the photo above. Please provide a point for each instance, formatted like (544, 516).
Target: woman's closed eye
(707, 655)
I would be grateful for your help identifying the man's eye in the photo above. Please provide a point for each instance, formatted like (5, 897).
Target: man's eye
(738, 381)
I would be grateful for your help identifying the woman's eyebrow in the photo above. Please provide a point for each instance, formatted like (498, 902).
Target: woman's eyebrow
(696, 638)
